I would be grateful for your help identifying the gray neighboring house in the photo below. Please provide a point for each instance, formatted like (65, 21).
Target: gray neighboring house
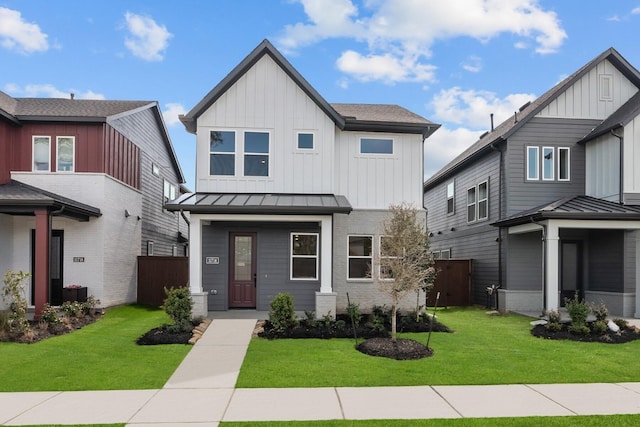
(291, 190)
(547, 203)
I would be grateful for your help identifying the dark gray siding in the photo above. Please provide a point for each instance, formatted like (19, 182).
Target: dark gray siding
(524, 262)
(522, 195)
(478, 241)
(630, 254)
(273, 258)
(606, 260)
(158, 225)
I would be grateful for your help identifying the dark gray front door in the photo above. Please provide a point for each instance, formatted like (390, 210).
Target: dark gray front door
(570, 271)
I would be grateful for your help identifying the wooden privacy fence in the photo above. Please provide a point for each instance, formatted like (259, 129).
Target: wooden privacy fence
(453, 281)
(157, 272)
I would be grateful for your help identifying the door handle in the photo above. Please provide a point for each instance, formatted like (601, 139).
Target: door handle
(255, 279)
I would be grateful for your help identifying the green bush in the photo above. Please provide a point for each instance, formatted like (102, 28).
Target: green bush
(600, 311)
(579, 329)
(13, 296)
(50, 315)
(622, 323)
(179, 307)
(282, 315)
(353, 310)
(72, 308)
(599, 327)
(578, 310)
(553, 326)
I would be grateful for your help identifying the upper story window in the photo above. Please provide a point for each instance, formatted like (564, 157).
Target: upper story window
(256, 154)
(41, 154)
(376, 146)
(359, 257)
(304, 256)
(478, 202)
(222, 148)
(169, 191)
(65, 153)
(305, 141)
(546, 162)
(155, 169)
(451, 191)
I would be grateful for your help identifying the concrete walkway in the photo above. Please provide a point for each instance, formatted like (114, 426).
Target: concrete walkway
(201, 393)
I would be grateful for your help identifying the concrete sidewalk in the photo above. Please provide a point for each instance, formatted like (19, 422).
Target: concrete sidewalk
(201, 393)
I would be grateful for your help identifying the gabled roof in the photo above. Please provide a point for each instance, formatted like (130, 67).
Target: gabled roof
(17, 198)
(364, 117)
(273, 203)
(575, 208)
(623, 115)
(19, 110)
(507, 128)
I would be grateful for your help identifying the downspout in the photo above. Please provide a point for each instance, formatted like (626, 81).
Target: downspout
(544, 265)
(620, 141)
(186, 220)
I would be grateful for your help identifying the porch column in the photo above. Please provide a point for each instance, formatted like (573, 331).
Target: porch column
(200, 300)
(552, 255)
(326, 299)
(41, 272)
(637, 274)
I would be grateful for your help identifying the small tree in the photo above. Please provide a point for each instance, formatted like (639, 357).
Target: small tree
(405, 263)
(14, 296)
(179, 306)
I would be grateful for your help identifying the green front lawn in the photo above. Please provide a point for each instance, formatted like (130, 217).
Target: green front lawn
(485, 349)
(100, 356)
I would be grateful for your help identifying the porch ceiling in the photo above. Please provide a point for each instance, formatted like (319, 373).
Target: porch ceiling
(253, 203)
(17, 198)
(574, 208)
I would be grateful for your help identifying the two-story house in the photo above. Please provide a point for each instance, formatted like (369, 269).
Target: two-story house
(291, 190)
(547, 204)
(82, 188)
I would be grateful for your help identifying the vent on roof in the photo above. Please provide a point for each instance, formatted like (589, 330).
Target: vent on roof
(525, 106)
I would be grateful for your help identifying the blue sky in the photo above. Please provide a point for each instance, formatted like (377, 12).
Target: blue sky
(453, 62)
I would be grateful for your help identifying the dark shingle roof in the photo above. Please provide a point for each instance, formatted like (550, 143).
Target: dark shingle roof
(576, 207)
(363, 117)
(275, 203)
(38, 108)
(513, 123)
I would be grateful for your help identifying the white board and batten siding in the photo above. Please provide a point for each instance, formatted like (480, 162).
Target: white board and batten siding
(266, 99)
(631, 158)
(603, 168)
(596, 95)
(375, 181)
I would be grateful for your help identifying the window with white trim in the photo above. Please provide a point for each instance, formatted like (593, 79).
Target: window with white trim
(547, 163)
(445, 254)
(256, 154)
(306, 141)
(386, 253)
(360, 257)
(169, 191)
(451, 191)
(564, 163)
(304, 256)
(155, 169)
(471, 204)
(376, 146)
(222, 149)
(483, 201)
(533, 168)
(65, 149)
(41, 153)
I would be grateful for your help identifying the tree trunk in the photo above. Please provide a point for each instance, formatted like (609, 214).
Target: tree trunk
(393, 322)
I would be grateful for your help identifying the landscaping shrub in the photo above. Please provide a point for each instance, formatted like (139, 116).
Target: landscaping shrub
(281, 314)
(553, 324)
(353, 310)
(13, 296)
(578, 310)
(71, 308)
(599, 327)
(179, 307)
(50, 315)
(600, 311)
(622, 323)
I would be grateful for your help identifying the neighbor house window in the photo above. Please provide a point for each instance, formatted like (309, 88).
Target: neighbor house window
(483, 201)
(256, 154)
(41, 153)
(471, 204)
(66, 153)
(169, 191)
(450, 197)
(376, 146)
(155, 169)
(150, 248)
(563, 164)
(532, 163)
(305, 141)
(222, 148)
(304, 256)
(547, 163)
(359, 257)
(386, 253)
(445, 254)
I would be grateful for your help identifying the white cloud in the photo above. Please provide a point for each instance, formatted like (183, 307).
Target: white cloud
(444, 145)
(170, 113)
(473, 64)
(387, 68)
(472, 108)
(401, 32)
(17, 34)
(48, 91)
(635, 11)
(147, 40)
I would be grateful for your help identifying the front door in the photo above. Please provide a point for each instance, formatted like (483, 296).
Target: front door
(571, 271)
(56, 252)
(242, 271)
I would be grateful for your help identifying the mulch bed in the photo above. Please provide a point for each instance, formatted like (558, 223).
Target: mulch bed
(609, 337)
(160, 335)
(40, 331)
(401, 349)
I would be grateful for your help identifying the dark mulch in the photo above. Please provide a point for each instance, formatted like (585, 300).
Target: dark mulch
(40, 331)
(623, 336)
(401, 349)
(161, 335)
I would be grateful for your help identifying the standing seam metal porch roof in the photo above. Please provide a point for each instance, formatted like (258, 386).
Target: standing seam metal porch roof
(575, 208)
(268, 203)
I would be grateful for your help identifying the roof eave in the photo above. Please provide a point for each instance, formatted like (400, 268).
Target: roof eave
(83, 119)
(423, 129)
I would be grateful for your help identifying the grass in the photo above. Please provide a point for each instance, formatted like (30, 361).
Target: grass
(100, 356)
(573, 421)
(485, 349)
